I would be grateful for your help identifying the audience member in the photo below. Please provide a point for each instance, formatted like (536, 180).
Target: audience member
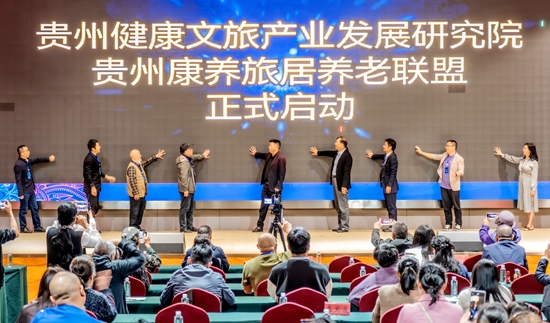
(43, 300)
(432, 306)
(387, 257)
(485, 276)
(443, 248)
(525, 317)
(299, 271)
(68, 297)
(540, 273)
(62, 242)
(219, 260)
(545, 306)
(152, 260)
(421, 245)
(489, 313)
(102, 306)
(197, 274)
(520, 306)
(87, 225)
(258, 269)
(7, 235)
(111, 273)
(404, 292)
(505, 250)
(504, 217)
(401, 238)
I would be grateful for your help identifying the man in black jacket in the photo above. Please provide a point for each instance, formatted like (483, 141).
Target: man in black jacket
(273, 176)
(92, 175)
(401, 238)
(340, 179)
(24, 180)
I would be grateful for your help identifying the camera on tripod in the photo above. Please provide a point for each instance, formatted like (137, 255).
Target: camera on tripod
(277, 211)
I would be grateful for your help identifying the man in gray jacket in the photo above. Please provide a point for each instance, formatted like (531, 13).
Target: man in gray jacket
(187, 185)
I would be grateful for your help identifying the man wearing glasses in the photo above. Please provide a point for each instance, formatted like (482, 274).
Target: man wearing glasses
(451, 168)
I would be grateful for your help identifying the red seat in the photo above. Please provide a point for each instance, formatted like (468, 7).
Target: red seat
(391, 315)
(309, 298)
(219, 271)
(149, 276)
(368, 301)
(511, 266)
(462, 283)
(190, 313)
(137, 287)
(156, 271)
(356, 282)
(527, 284)
(471, 262)
(287, 313)
(261, 289)
(92, 314)
(340, 263)
(351, 272)
(201, 298)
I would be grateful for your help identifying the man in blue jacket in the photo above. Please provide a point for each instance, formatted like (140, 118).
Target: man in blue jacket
(505, 249)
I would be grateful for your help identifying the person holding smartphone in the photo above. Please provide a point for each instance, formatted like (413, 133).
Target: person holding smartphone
(7, 235)
(504, 217)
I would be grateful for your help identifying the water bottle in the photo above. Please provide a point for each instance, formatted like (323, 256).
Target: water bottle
(326, 313)
(184, 298)
(502, 274)
(318, 257)
(282, 298)
(178, 318)
(127, 288)
(454, 287)
(517, 274)
(363, 271)
(351, 261)
(10, 259)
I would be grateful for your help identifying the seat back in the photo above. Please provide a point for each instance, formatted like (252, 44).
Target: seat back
(219, 271)
(291, 312)
(356, 282)
(92, 314)
(471, 262)
(261, 289)
(309, 298)
(137, 287)
(349, 273)
(462, 283)
(201, 298)
(391, 315)
(149, 277)
(527, 284)
(340, 263)
(511, 266)
(368, 301)
(190, 313)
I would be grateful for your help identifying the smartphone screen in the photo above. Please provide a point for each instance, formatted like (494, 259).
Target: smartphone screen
(492, 215)
(142, 234)
(82, 206)
(2, 205)
(477, 299)
(385, 221)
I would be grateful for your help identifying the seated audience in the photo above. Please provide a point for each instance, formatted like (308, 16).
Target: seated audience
(68, 297)
(432, 307)
(62, 242)
(152, 260)
(444, 256)
(404, 292)
(387, 257)
(488, 313)
(422, 244)
(219, 260)
(299, 271)
(258, 269)
(540, 273)
(521, 306)
(197, 274)
(43, 300)
(111, 272)
(545, 306)
(525, 317)
(400, 237)
(102, 306)
(7, 235)
(504, 217)
(87, 225)
(505, 250)
(485, 276)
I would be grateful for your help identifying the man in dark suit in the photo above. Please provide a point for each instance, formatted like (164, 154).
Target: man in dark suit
(388, 175)
(92, 175)
(340, 179)
(273, 176)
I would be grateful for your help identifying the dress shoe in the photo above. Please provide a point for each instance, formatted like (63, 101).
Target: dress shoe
(336, 230)
(342, 230)
(39, 229)
(386, 230)
(182, 230)
(188, 230)
(25, 230)
(192, 229)
(258, 229)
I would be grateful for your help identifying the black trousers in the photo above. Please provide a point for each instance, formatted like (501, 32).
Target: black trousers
(92, 200)
(450, 198)
(137, 207)
(266, 193)
(391, 204)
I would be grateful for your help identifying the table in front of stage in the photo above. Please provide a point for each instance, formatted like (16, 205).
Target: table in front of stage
(13, 295)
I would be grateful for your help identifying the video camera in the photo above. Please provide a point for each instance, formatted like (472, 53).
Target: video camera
(277, 211)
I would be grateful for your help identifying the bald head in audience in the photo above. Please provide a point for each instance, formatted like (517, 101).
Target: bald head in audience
(66, 289)
(267, 242)
(505, 232)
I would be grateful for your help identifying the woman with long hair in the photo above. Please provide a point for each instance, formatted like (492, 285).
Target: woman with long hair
(421, 246)
(485, 277)
(404, 292)
(432, 305)
(62, 242)
(43, 300)
(528, 166)
(489, 313)
(444, 256)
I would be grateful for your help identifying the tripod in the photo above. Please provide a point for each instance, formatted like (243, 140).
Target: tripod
(274, 229)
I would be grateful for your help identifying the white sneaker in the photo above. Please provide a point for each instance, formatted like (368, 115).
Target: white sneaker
(458, 227)
(447, 227)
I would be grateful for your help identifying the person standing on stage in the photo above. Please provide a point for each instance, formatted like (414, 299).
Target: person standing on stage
(340, 179)
(451, 168)
(528, 166)
(137, 185)
(273, 176)
(187, 185)
(92, 174)
(24, 180)
(388, 176)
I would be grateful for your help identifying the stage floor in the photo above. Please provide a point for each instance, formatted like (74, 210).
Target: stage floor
(237, 243)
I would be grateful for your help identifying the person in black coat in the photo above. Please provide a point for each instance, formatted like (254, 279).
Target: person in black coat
(92, 174)
(388, 175)
(273, 176)
(340, 179)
